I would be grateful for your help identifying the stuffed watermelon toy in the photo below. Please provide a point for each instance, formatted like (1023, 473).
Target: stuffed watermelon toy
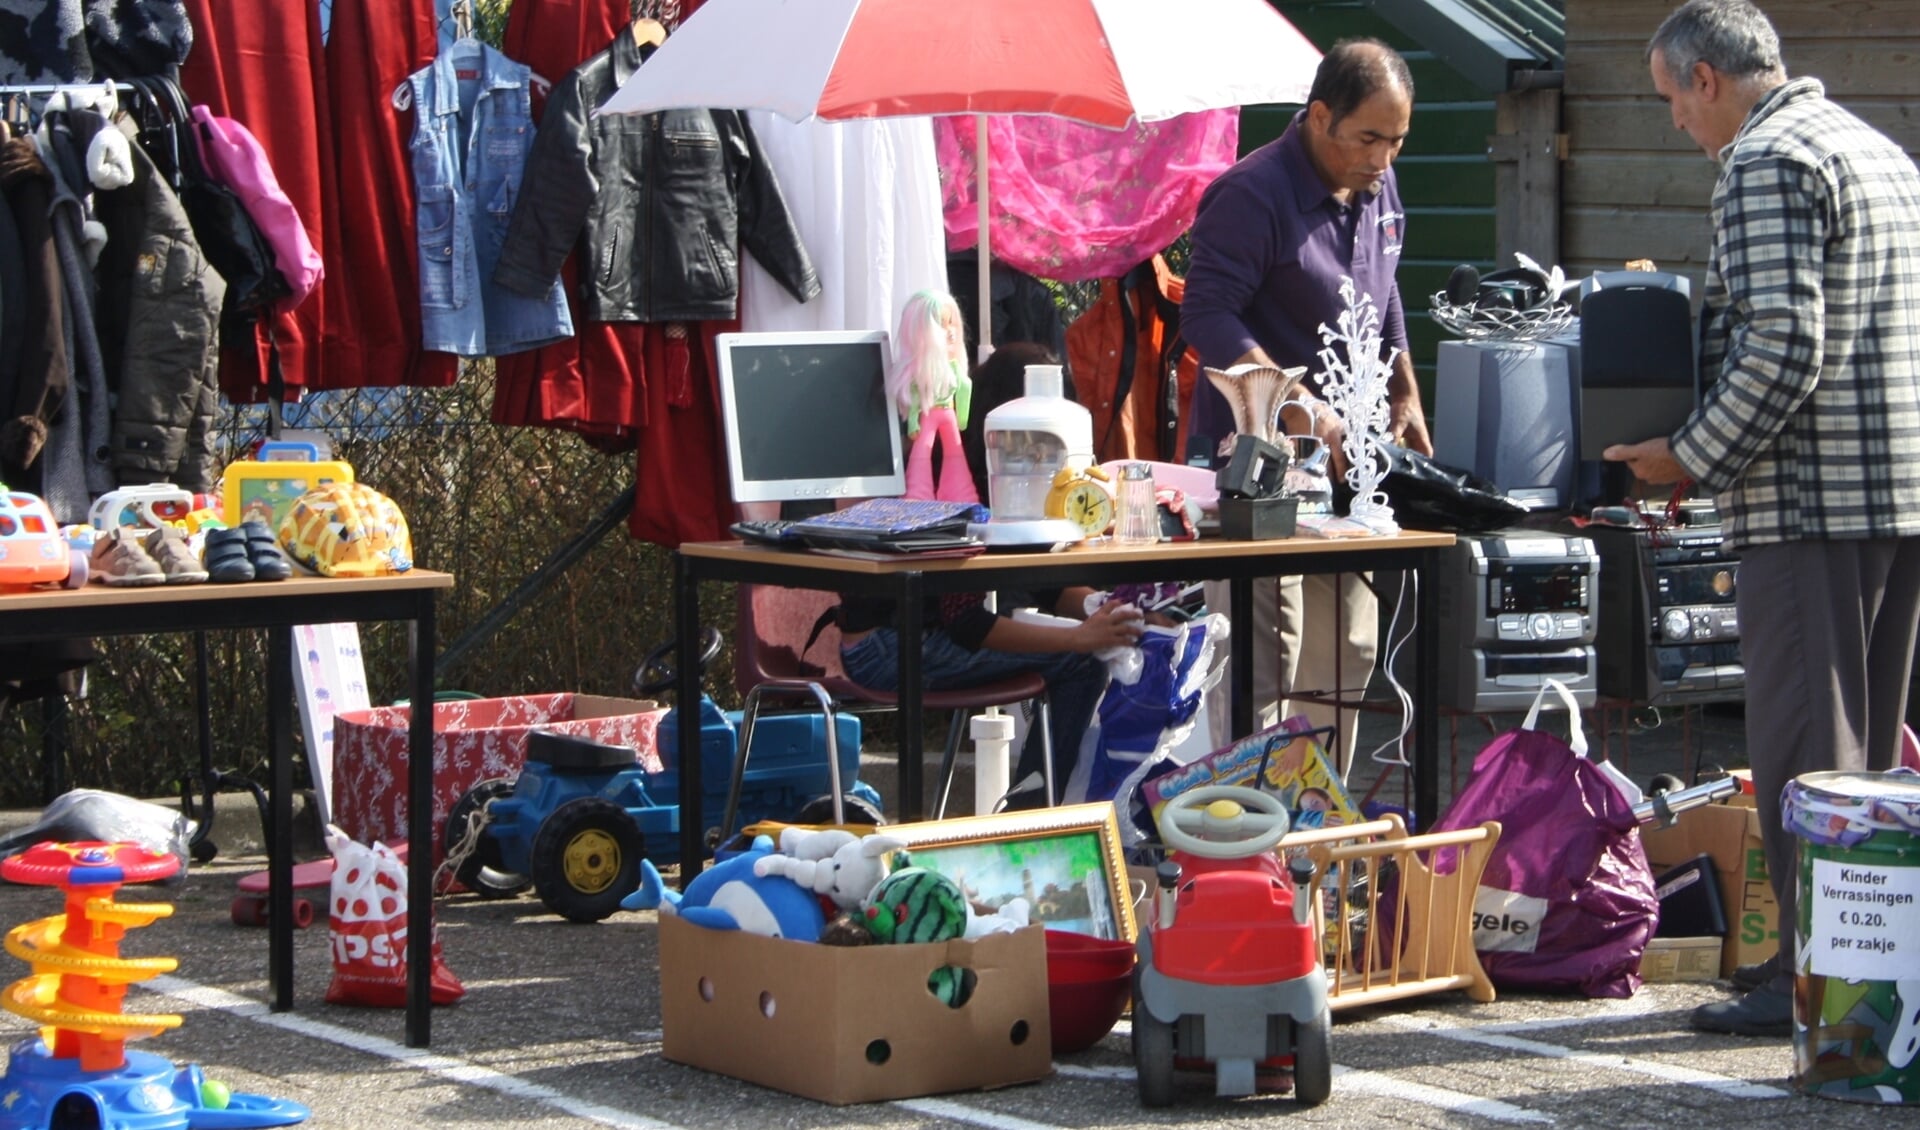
(914, 905)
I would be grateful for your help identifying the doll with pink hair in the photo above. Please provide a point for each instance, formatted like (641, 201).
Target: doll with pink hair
(929, 387)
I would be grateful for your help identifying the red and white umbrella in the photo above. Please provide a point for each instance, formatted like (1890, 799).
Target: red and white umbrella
(1107, 62)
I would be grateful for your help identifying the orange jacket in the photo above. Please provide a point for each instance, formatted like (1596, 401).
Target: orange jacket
(1141, 330)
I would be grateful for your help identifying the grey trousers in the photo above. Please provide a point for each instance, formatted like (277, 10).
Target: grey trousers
(1827, 632)
(1317, 633)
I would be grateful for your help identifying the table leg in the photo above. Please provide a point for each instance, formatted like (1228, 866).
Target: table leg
(1426, 692)
(909, 614)
(686, 700)
(1240, 651)
(280, 822)
(420, 645)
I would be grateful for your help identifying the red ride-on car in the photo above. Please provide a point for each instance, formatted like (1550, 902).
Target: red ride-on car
(1229, 967)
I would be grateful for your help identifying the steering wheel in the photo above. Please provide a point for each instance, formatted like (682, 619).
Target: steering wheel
(656, 675)
(1239, 821)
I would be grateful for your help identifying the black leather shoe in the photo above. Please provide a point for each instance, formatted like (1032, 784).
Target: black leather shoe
(1747, 978)
(1766, 1011)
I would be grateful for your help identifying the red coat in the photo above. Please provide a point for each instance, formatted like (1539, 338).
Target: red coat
(373, 327)
(261, 64)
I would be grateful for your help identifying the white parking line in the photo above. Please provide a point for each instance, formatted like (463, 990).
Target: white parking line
(1376, 1085)
(1672, 1073)
(446, 1067)
(957, 1112)
(1358, 1081)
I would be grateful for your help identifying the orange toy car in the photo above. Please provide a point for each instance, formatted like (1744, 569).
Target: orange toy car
(32, 549)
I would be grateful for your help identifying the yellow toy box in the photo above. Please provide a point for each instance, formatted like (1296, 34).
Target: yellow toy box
(267, 487)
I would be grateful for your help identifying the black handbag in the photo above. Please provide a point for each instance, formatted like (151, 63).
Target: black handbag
(1433, 496)
(225, 231)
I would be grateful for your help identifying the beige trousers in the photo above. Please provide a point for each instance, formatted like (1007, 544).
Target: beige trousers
(1316, 634)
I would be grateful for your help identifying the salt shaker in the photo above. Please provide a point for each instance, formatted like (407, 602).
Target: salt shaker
(1138, 518)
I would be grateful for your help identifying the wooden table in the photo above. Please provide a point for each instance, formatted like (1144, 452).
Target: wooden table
(909, 581)
(100, 610)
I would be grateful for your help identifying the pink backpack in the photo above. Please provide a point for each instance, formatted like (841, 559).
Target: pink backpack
(234, 157)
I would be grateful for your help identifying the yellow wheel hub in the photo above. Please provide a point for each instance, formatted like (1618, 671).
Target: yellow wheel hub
(591, 862)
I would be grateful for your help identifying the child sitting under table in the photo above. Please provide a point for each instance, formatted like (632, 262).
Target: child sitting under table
(964, 645)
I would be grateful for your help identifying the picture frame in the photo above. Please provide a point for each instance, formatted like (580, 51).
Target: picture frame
(1065, 861)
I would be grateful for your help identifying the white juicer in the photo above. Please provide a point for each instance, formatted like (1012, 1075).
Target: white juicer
(1028, 441)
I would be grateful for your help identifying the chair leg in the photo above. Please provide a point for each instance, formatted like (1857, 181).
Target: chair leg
(1044, 721)
(948, 763)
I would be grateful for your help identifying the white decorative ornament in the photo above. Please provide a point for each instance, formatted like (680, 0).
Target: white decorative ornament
(1353, 381)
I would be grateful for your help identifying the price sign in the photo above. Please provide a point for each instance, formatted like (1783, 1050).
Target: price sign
(1865, 921)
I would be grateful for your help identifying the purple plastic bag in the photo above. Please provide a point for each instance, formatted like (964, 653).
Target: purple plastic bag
(1567, 900)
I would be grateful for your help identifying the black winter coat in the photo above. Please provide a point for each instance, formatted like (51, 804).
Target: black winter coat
(658, 203)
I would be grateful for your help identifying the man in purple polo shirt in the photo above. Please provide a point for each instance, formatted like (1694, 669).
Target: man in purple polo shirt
(1274, 237)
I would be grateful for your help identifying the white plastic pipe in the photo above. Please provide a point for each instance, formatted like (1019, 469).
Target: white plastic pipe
(992, 735)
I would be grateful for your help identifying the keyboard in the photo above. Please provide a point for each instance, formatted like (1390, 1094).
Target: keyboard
(766, 531)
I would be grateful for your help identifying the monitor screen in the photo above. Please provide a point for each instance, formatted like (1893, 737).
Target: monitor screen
(807, 416)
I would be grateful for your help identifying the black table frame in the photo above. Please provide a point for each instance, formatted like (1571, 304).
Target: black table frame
(1167, 562)
(278, 607)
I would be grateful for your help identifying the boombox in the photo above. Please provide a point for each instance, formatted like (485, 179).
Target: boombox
(1669, 633)
(1517, 608)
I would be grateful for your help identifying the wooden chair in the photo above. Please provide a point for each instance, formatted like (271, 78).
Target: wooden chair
(771, 649)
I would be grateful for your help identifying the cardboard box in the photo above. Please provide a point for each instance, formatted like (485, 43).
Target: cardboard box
(1681, 959)
(853, 1024)
(1731, 835)
(474, 740)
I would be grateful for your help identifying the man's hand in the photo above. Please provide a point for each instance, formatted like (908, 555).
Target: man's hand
(1651, 460)
(1407, 417)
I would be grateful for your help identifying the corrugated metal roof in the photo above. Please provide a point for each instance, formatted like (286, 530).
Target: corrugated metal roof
(1539, 24)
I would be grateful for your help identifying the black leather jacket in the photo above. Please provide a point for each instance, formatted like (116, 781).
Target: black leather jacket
(658, 203)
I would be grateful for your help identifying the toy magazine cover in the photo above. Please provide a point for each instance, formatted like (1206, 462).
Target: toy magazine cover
(1297, 771)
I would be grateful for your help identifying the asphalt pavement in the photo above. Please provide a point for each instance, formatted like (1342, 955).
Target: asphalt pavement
(560, 1027)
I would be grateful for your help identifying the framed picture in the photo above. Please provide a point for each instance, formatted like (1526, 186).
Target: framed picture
(1066, 862)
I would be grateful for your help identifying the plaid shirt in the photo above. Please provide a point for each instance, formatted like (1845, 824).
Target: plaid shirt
(1810, 427)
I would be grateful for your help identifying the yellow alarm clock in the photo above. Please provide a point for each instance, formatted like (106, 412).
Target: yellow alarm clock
(1079, 499)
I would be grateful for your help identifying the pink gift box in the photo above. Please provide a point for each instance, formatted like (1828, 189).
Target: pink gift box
(474, 740)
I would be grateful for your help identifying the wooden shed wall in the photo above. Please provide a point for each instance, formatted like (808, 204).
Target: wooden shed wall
(1634, 187)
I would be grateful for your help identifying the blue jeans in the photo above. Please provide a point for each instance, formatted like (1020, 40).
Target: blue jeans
(1074, 685)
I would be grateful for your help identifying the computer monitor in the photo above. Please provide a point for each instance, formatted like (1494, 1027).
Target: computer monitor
(807, 416)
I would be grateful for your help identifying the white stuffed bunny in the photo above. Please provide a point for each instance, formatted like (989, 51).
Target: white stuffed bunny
(831, 862)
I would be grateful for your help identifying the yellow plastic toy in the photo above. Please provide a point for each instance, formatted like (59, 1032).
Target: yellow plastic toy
(347, 530)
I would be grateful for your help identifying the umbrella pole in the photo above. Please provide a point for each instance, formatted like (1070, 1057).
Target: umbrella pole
(986, 238)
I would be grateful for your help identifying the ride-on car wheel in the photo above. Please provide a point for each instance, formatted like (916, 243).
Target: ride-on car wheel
(1152, 1055)
(586, 858)
(482, 871)
(1313, 1060)
(858, 810)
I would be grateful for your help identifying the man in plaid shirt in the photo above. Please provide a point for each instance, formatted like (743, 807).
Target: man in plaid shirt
(1809, 432)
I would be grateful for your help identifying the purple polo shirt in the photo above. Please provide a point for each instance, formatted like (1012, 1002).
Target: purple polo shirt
(1270, 246)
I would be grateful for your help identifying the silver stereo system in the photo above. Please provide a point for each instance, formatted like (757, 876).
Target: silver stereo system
(1516, 608)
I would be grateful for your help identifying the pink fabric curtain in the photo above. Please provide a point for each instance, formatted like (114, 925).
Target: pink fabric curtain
(1072, 201)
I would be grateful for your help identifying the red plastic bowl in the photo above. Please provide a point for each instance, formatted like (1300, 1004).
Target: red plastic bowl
(1089, 983)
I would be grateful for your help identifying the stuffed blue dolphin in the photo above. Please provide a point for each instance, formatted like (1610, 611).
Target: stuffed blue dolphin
(729, 896)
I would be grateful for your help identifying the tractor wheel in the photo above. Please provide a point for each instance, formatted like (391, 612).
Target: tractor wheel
(1313, 1060)
(482, 871)
(1152, 1054)
(586, 858)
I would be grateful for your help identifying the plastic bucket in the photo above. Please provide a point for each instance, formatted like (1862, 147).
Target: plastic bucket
(1856, 1001)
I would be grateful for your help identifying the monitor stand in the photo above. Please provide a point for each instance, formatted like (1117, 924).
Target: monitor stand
(798, 509)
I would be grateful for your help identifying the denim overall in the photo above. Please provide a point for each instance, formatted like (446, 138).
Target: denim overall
(472, 130)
